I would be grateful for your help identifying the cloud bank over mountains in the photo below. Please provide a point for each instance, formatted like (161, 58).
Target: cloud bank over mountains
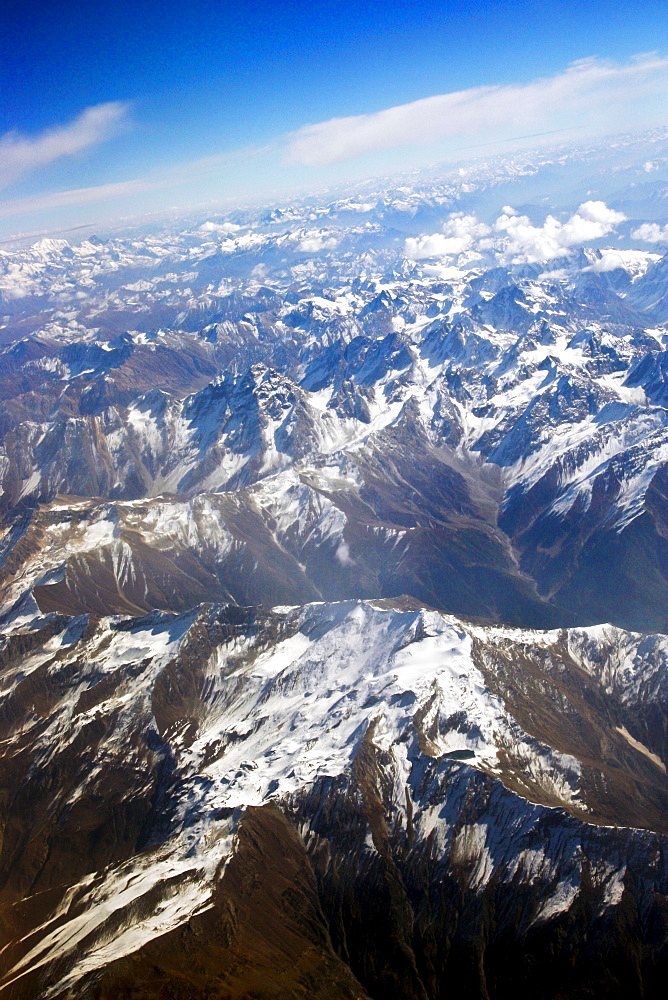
(515, 237)
(530, 243)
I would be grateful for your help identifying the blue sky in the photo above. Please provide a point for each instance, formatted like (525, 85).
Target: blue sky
(128, 107)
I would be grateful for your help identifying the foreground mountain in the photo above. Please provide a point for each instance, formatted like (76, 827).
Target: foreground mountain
(353, 799)
(333, 596)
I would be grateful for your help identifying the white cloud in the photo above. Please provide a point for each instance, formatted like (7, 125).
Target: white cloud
(225, 228)
(19, 155)
(610, 260)
(590, 93)
(312, 244)
(515, 236)
(633, 261)
(651, 232)
(526, 242)
(343, 554)
(457, 234)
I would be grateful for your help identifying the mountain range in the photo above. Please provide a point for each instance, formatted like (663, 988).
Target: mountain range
(334, 596)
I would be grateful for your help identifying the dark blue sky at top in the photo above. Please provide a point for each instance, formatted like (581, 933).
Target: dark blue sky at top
(318, 58)
(253, 65)
(205, 78)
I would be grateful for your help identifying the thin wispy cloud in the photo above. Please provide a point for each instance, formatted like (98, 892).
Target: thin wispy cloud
(168, 179)
(79, 196)
(590, 93)
(20, 155)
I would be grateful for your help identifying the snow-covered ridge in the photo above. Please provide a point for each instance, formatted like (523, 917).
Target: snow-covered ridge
(253, 707)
